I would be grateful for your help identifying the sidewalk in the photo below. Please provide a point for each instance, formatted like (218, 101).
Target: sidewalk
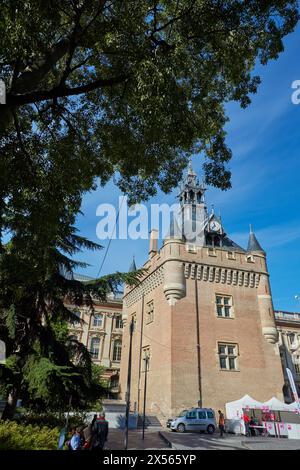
(152, 440)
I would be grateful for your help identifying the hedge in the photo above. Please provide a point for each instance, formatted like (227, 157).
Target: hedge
(14, 436)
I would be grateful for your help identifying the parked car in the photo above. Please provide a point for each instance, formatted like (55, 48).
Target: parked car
(169, 421)
(195, 419)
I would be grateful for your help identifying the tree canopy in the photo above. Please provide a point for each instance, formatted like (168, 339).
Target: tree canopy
(95, 89)
(105, 87)
(45, 365)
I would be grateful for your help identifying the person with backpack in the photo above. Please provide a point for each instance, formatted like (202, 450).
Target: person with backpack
(100, 433)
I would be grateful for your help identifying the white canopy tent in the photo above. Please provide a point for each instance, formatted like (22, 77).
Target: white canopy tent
(234, 409)
(276, 405)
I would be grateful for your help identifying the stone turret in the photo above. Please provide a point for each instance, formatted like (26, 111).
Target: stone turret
(253, 244)
(174, 280)
(265, 303)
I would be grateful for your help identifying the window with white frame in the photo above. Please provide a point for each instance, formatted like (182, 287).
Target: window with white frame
(230, 255)
(95, 347)
(228, 356)
(117, 351)
(98, 320)
(224, 306)
(119, 323)
(150, 312)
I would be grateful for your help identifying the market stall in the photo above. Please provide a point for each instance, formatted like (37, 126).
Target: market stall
(271, 418)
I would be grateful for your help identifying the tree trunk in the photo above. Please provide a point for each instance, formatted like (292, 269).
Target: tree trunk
(10, 407)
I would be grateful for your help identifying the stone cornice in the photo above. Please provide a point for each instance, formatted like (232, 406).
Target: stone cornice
(222, 275)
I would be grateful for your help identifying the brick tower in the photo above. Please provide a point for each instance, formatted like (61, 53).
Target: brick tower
(203, 315)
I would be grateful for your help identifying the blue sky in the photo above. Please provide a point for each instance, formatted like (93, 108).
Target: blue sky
(265, 140)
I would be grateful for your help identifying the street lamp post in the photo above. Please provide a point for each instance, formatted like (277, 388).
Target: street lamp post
(146, 359)
(131, 329)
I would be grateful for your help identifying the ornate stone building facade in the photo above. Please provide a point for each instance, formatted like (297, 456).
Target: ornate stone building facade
(288, 326)
(203, 315)
(101, 332)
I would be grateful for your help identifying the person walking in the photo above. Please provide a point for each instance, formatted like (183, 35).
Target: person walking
(100, 433)
(88, 434)
(221, 423)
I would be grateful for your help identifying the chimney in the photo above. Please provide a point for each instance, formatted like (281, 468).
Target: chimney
(153, 243)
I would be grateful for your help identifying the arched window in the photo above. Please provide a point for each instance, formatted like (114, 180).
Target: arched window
(117, 351)
(95, 347)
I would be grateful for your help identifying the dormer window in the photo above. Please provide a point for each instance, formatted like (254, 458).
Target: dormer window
(211, 252)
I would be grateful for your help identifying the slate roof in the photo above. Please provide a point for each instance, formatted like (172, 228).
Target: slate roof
(132, 267)
(253, 244)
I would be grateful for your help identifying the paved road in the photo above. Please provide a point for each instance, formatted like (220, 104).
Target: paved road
(165, 439)
(188, 441)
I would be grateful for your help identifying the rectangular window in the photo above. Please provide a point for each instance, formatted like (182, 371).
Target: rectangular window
(114, 382)
(117, 351)
(201, 415)
(146, 359)
(292, 340)
(119, 323)
(98, 320)
(224, 306)
(150, 312)
(230, 255)
(228, 356)
(95, 347)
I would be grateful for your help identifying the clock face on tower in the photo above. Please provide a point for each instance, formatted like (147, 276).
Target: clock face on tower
(214, 226)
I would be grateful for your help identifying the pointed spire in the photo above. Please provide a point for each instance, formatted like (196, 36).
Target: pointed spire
(190, 168)
(253, 243)
(132, 267)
